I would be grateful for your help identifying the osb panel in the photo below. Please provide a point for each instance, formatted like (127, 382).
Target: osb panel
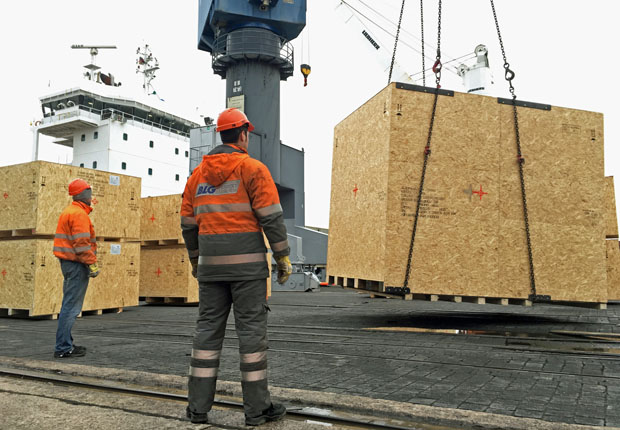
(356, 243)
(17, 273)
(167, 272)
(118, 283)
(34, 194)
(563, 174)
(613, 269)
(161, 218)
(455, 250)
(611, 217)
(33, 279)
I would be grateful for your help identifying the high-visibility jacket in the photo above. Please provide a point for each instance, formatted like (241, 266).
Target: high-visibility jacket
(75, 235)
(229, 200)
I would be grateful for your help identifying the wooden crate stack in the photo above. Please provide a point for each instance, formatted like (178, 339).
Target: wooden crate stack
(470, 243)
(31, 199)
(166, 273)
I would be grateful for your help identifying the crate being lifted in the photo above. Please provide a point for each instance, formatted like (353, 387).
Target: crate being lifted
(470, 241)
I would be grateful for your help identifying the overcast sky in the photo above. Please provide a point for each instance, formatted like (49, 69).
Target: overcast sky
(564, 53)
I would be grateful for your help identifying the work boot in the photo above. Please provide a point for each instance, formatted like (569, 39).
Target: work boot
(195, 417)
(76, 351)
(274, 412)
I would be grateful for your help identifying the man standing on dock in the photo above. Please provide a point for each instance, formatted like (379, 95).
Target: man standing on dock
(76, 247)
(229, 201)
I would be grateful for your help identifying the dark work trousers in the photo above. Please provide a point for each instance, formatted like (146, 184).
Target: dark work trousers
(249, 302)
(73, 292)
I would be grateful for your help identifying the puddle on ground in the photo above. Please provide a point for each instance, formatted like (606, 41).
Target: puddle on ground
(455, 331)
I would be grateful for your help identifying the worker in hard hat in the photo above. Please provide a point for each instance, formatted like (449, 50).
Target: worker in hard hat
(76, 247)
(229, 201)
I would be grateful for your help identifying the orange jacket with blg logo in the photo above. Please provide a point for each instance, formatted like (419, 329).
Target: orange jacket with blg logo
(75, 235)
(229, 200)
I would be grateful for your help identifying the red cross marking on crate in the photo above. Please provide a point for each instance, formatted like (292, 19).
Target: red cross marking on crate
(3, 273)
(355, 190)
(95, 201)
(159, 272)
(480, 193)
(6, 195)
(152, 218)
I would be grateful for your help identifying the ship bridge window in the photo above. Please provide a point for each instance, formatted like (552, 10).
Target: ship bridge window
(151, 144)
(176, 151)
(81, 164)
(186, 154)
(124, 165)
(125, 137)
(150, 171)
(95, 135)
(94, 164)
(176, 177)
(83, 138)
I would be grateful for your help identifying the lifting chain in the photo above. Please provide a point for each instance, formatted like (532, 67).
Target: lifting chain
(400, 20)
(509, 76)
(427, 150)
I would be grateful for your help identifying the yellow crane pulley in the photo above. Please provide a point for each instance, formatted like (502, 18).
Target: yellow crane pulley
(305, 70)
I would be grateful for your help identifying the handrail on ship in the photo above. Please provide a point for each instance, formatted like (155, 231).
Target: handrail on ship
(107, 114)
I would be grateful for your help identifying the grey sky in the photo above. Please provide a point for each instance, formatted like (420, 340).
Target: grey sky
(563, 52)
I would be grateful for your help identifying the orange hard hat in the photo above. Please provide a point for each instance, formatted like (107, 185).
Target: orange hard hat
(232, 118)
(77, 186)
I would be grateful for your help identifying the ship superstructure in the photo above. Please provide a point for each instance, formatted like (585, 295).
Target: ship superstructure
(110, 131)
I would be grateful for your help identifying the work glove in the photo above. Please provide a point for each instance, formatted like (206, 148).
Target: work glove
(93, 270)
(194, 262)
(284, 268)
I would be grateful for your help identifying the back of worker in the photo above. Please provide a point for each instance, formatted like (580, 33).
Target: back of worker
(229, 201)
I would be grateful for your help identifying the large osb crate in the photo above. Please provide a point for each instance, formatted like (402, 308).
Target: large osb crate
(31, 279)
(611, 217)
(470, 237)
(33, 195)
(161, 219)
(165, 272)
(613, 269)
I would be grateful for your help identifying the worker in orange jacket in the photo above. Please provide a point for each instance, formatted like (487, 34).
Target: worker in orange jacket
(229, 201)
(76, 247)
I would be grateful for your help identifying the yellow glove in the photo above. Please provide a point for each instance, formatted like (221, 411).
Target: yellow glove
(194, 262)
(284, 268)
(93, 270)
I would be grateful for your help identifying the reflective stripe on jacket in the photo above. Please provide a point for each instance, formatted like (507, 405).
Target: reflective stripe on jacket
(229, 200)
(75, 236)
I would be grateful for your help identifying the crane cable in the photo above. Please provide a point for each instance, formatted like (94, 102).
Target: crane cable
(400, 19)
(427, 151)
(422, 39)
(509, 76)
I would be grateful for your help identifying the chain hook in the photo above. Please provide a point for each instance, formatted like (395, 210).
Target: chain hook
(510, 75)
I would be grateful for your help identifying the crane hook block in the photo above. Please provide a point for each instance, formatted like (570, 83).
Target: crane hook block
(305, 70)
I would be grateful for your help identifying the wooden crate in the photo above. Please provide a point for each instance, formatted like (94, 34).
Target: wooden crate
(33, 195)
(161, 220)
(471, 238)
(165, 272)
(611, 217)
(31, 279)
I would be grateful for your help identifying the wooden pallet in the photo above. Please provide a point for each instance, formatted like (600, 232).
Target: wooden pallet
(25, 313)
(175, 301)
(22, 233)
(162, 242)
(116, 239)
(376, 289)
